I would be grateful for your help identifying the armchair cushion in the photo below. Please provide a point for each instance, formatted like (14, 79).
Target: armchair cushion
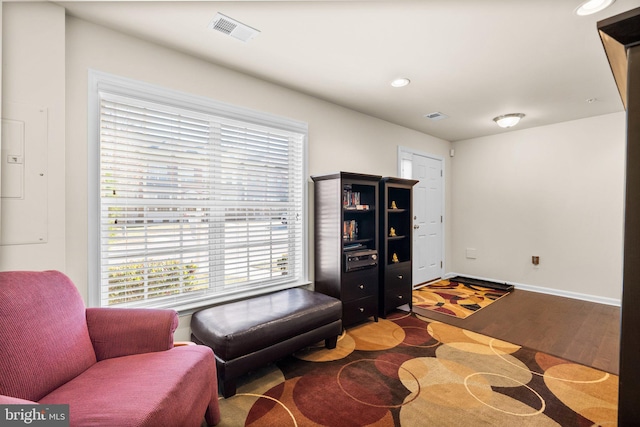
(116, 392)
(119, 332)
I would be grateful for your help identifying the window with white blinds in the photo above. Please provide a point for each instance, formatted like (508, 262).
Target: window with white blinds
(195, 207)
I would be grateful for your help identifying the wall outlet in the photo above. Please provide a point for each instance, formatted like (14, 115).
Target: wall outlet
(535, 260)
(471, 253)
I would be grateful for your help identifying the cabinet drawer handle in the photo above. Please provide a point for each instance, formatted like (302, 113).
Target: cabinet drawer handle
(361, 286)
(399, 296)
(361, 310)
(399, 276)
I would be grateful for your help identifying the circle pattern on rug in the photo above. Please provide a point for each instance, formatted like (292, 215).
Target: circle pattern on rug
(375, 336)
(380, 385)
(525, 410)
(415, 371)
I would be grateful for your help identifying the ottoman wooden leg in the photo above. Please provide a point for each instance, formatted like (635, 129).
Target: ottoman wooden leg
(331, 342)
(227, 388)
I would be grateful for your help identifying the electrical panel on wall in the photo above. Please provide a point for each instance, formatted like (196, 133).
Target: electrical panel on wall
(23, 187)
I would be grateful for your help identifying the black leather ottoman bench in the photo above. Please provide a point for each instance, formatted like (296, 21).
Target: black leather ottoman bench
(247, 334)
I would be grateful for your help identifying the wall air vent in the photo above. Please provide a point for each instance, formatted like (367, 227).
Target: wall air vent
(233, 28)
(436, 116)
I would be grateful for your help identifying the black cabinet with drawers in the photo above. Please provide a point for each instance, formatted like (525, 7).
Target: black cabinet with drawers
(396, 239)
(346, 242)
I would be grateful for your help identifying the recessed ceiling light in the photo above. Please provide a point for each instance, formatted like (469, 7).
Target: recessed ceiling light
(508, 120)
(590, 7)
(401, 82)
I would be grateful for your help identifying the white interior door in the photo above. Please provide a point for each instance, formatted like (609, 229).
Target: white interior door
(428, 220)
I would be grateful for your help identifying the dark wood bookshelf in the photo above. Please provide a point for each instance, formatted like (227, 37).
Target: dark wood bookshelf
(339, 199)
(396, 210)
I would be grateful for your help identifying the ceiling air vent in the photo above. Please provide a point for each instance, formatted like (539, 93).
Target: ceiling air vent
(232, 28)
(436, 116)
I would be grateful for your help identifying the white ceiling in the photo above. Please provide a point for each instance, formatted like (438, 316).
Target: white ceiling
(469, 59)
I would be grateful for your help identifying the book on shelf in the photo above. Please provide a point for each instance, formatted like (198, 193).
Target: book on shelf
(350, 230)
(357, 208)
(351, 199)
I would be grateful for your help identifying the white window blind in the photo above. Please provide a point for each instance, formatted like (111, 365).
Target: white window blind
(195, 207)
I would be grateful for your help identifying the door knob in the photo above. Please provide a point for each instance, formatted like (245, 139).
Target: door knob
(415, 227)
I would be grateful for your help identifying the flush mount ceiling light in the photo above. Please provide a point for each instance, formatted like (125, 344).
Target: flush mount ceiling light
(233, 28)
(401, 82)
(436, 115)
(508, 120)
(590, 7)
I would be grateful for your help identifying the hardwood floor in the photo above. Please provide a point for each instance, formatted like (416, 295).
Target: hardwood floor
(580, 331)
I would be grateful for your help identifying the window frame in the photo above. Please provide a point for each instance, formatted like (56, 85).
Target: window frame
(117, 85)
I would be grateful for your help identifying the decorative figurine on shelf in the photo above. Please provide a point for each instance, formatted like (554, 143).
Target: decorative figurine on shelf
(392, 232)
(394, 258)
(393, 205)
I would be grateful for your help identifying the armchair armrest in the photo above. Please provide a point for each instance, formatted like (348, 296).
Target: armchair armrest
(118, 332)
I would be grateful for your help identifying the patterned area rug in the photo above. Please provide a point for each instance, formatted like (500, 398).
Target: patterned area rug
(408, 371)
(455, 299)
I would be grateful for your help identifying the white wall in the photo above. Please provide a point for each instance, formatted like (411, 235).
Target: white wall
(33, 62)
(553, 191)
(339, 139)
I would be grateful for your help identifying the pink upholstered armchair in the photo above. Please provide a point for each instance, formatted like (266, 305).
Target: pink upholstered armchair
(114, 367)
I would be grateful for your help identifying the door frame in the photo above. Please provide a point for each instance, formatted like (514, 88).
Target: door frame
(406, 153)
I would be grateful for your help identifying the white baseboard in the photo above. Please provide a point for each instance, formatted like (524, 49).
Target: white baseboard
(421, 285)
(543, 290)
